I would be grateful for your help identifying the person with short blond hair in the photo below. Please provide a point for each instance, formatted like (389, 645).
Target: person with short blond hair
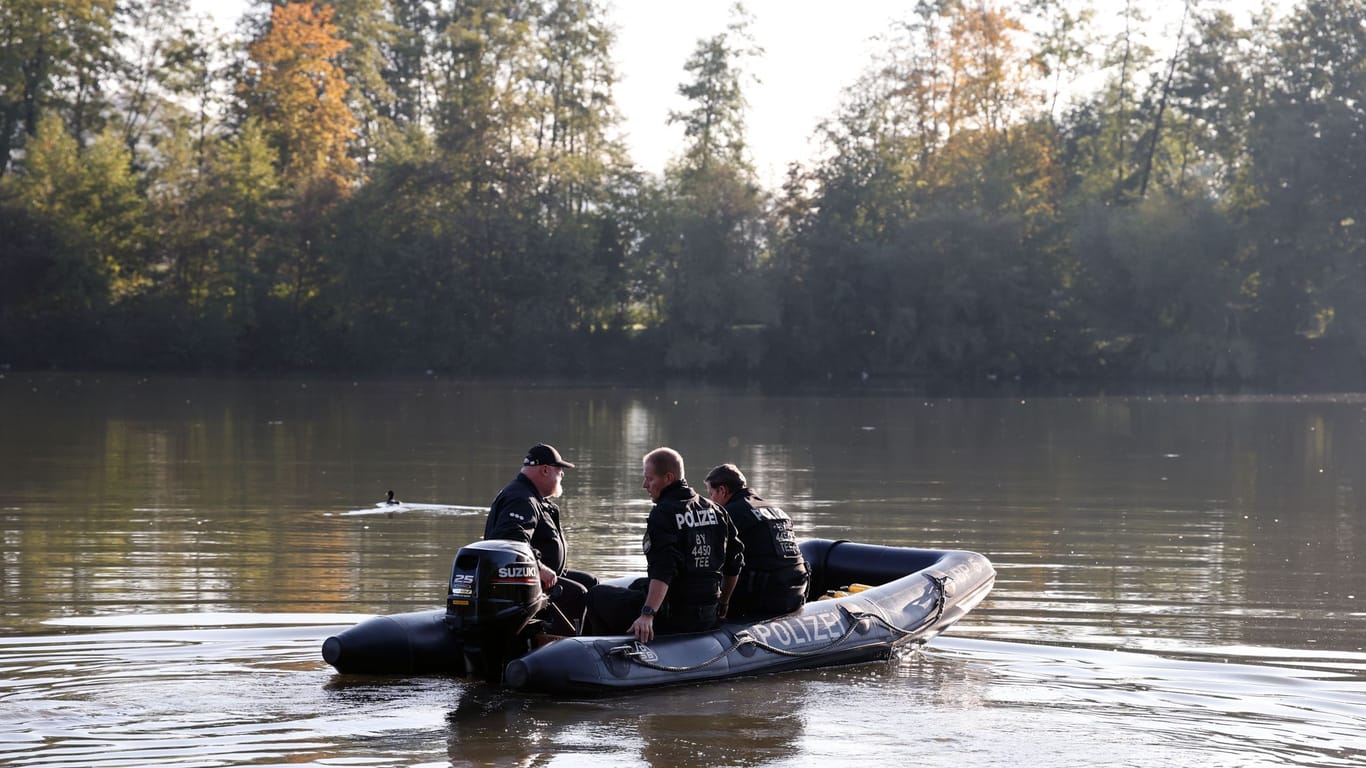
(693, 558)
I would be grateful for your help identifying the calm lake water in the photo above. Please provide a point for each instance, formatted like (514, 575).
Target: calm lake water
(1180, 579)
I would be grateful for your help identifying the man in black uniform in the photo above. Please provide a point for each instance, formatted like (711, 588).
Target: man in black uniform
(775, 577)
(692, 554)
(523, 511)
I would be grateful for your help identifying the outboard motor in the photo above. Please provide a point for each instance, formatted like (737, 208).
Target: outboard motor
(492, 602)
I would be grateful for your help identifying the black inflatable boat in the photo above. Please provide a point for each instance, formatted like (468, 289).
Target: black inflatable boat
(866, 602)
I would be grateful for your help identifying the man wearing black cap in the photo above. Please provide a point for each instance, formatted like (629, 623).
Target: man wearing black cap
(524, 511)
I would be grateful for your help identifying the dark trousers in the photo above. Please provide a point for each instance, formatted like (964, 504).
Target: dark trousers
(570, 596)
(612, 610)
(768, 593)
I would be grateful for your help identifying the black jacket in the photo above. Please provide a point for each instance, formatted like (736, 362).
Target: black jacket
(775, 577)
(689, 544)
(520, 514)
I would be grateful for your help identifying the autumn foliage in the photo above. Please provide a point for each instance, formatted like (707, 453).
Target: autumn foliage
(298, 91)
(1012, 190)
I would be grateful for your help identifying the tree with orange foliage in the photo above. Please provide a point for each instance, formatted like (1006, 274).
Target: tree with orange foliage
(297, 90)
(991, 76)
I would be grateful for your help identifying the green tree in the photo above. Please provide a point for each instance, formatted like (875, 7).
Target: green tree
(1309, 164)
(483, 109)
(932, 243)
(55, 57)
(1063, 44)
(1156, 135)
(1107, 130)
(408, 59)
(578, 152)
(198, 79)
(297, 91)
(42, 321)
(585, 185)
(93, 192)
(405, 298)
(707, 239)
(1216, 92)
(247, 198)
(150, 34)
(80, 221)
(484, 59)
(371, 36)
(714, 124)
(1160, 286)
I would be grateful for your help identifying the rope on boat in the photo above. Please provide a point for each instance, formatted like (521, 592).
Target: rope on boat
(631, 651)
(939, 604)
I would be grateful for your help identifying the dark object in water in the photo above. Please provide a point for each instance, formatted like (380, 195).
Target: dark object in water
(880, 599)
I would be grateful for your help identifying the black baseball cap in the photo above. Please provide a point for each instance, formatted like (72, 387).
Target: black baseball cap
(542, 454)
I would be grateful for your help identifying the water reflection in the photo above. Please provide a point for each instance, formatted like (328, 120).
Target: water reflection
(697, 724)
(1241, 710)
(259, 693)
(660, 728)
(1216, 537)
(491, 727)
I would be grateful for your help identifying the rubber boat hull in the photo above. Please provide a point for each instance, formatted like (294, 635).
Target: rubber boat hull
(914, 595)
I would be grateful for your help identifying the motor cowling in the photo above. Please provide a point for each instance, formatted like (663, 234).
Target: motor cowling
(492, 601)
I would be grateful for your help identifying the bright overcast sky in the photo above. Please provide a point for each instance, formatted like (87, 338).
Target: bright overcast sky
(813, 52)
(810, 57)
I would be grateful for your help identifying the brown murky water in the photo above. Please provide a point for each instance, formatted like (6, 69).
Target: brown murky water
(1180, 580)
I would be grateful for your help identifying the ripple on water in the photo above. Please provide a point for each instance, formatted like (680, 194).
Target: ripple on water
(259, 693)
(1231, 712)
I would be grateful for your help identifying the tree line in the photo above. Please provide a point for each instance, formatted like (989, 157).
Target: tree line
(1009, 191)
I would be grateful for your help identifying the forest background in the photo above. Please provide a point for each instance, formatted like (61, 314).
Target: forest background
(393, 186)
